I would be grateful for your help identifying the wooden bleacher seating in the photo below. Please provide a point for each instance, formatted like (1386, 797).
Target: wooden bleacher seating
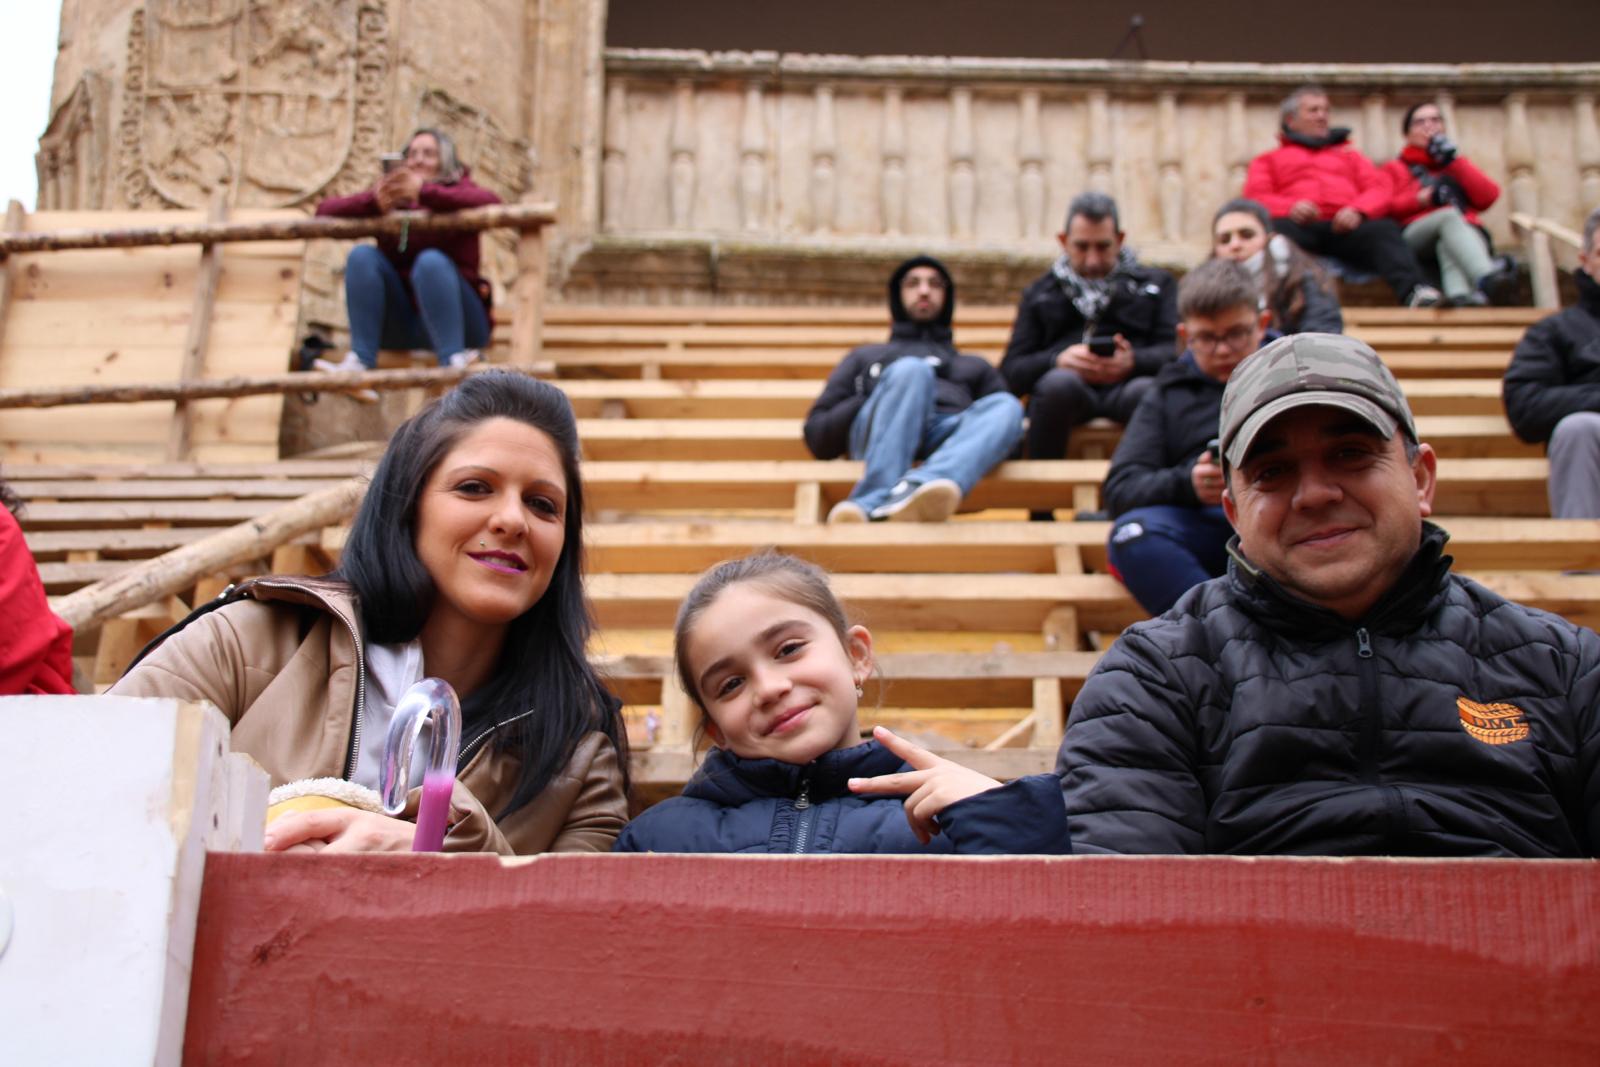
(987, 624)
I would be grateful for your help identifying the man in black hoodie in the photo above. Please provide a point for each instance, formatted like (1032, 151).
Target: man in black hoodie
(1552, 389)
(914, 397)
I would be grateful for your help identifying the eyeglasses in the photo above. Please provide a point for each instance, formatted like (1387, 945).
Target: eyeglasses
(1203, 344)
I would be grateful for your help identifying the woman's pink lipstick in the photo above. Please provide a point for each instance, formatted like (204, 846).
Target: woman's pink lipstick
(502, 562)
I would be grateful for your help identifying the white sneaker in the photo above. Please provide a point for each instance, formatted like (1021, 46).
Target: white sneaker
(350, 362)
(846, 511)
(1424, 296)
(464, 358)
(933, 501)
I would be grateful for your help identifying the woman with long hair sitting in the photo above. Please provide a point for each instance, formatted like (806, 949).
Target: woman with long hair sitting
(1293, 287)
(464, 563)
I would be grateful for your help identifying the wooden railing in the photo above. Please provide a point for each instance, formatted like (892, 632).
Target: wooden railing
(1536, 235)
(527, 295)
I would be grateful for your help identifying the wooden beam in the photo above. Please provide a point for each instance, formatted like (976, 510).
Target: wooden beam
(197, 342)
(527, 299)
(472, 220)
(302, 382)
(153, 579)
(16, 221)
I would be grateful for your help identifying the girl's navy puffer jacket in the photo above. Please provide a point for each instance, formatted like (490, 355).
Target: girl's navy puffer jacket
(763, 805)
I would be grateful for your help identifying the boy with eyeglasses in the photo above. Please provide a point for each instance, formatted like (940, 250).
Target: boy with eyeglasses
(1164, 489)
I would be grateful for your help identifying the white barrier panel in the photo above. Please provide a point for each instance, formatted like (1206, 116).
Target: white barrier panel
(108, 807)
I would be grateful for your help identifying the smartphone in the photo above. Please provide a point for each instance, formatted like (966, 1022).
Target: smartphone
(1213, 450)
(1105, 346)
(391, 160)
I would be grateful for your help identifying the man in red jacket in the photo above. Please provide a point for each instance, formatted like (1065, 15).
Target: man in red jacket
(1437, 196)
(1328, 198)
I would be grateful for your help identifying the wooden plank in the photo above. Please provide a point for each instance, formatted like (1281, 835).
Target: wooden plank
(527, 299)
(16, 220)
(197, 342)
(1174, 959)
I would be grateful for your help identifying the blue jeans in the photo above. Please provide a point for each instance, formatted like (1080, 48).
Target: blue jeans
(1164, 551)
(447, 317)
(898, 425)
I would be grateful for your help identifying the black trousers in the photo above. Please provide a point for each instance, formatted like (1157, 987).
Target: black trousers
(1061, 399)
(1375, 245)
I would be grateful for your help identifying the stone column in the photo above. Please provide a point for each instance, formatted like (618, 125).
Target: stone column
(1375, 133)
(892, 191)
(1520, 157)
(963, 172)
(753, 160)
(616, 157)
(1030, 166)
(1098, 147)
(1236, 139)
(824, 148)
(681, 174)
(1169, 155)
(1587, 137)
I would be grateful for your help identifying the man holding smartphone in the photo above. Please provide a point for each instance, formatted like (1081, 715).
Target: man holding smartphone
(1091, 333)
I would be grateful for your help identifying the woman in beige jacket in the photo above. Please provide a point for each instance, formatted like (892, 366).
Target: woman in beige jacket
(463, 563)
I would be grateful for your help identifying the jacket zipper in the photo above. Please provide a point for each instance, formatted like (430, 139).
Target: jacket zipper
(802, 804)
(1372, 734)
(468, 748)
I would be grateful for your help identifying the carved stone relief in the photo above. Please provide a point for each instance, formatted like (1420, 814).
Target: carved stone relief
(279, 100)
(71, 160)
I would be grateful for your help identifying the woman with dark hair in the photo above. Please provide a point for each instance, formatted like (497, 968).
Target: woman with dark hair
(464, 563)
(419, 290)
(1293, 287)
(35, 644)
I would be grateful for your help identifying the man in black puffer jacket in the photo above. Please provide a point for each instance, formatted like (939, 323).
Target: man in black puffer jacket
(914, 397)
(1552, 389)
(1339, 692)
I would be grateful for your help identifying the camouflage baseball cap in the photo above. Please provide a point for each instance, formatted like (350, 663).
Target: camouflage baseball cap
(1304, 369)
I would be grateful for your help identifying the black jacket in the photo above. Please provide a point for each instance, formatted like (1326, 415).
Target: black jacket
(740, 805)
(1143, 308)
(1555, 371)
(1165, 437)
(962, 378)
(1319, 314)
(1449, 721)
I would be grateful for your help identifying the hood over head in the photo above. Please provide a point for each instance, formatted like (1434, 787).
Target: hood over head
(939, 328)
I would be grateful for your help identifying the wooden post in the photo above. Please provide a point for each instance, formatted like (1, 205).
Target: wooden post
(16, 219)
(1049, 713)
(678, 715)
(527, 298)
(181, 442)
(1541, 265)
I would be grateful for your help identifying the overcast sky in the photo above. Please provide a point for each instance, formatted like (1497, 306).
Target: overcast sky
(27, 61)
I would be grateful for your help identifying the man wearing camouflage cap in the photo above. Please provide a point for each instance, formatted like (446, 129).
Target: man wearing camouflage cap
(1339, 691)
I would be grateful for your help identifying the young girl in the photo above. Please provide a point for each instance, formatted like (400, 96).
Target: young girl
(764, 649)
(1293, 286)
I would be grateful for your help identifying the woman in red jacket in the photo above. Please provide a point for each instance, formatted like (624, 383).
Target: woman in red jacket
(35, 644)
(418, 290)
(1437, 196)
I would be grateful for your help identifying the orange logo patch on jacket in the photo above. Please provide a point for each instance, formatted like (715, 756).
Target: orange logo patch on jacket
(1493, 724)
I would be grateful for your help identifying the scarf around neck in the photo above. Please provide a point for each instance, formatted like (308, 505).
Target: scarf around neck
(1091, 295)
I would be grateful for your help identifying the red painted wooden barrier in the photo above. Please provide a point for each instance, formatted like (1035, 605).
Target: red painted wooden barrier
(703, 960)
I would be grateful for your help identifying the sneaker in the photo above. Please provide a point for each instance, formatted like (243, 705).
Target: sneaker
(1499, 286)
(350, 362)
(1424, 296)
(1474, 299)
(847, 511)
(933, 501)
(464, 358)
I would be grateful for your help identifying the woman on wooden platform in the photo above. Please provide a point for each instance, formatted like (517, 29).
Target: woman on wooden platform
(35, 644)
(419, 290)
(463, 563)
(1293, 287)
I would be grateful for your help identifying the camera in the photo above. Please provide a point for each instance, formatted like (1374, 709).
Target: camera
(391, 161)
(1441, 149)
